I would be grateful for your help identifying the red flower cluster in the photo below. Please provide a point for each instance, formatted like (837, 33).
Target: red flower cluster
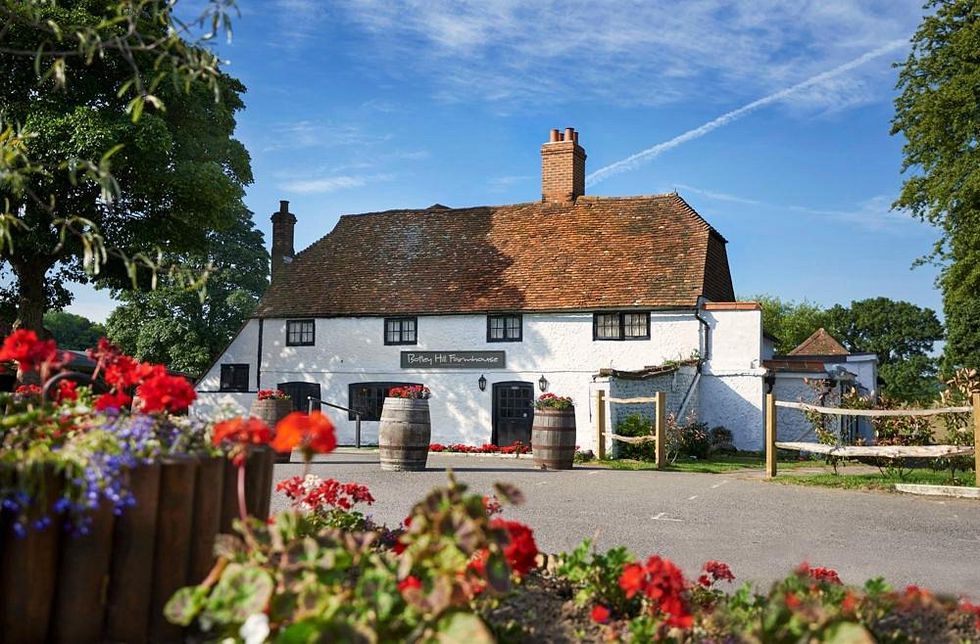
(311, 433)
(156, 389)
(30, 352)
(663, 583)
(715, 571)
(521, 551)
(411, 391)
(67, 390)
(240, 433)
(328, 492)
(492, 505)
(272, 394)
(600, 614)
(551, 401)
(27, 390)
(971, 609)
(409, 583)
(819, 574)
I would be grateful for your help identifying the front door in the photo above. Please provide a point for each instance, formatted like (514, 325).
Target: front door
(300, 393)
(513, 412)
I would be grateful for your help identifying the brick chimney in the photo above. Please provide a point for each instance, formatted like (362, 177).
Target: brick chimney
(562, 168)
(283, 222)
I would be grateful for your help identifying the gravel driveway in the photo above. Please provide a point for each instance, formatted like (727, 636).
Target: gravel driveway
(761, 529)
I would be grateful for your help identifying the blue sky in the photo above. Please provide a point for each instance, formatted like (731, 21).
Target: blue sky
(374, 104)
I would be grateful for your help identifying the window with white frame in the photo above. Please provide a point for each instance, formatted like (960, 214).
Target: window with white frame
(300, 333)
(401, 330)
(621, 325)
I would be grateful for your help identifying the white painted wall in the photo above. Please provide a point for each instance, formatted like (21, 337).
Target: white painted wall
(556, 345)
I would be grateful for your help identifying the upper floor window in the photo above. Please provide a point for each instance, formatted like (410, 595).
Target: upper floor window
(401, 330)
(503, 328)
(621, 325)
(299, 333)
(234, 377)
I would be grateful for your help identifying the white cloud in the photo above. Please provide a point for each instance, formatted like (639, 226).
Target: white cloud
(315, 134)
(619, 51)
(332, 183)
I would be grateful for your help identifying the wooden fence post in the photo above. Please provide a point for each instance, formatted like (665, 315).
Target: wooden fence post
(660, 430)
(976, 437)
(600, 434)
(770, 435)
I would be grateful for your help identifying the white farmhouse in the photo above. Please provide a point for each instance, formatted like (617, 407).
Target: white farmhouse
(491, 305)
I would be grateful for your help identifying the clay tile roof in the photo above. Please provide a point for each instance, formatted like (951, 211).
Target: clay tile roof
(596, 253)
(820, 343)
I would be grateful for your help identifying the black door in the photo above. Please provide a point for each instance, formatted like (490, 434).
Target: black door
(300, 393)
(513, 412)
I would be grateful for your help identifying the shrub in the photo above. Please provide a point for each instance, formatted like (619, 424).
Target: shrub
(688, 439)
(635, 425)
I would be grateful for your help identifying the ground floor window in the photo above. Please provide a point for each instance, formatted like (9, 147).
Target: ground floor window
(234, 377)
(368, 397)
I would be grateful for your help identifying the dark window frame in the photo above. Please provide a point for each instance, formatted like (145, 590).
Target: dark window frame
(505, 317)
(232, 386)
(301, 332)
(372, 414)
(401, 331)
(622, 326)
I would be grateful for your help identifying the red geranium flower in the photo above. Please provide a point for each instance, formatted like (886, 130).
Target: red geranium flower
(312, 433)
(715, 571)
(521, 551)
(241, 432)
(662, 582)
(631, 579)
(67, 390)
(29, 352)
(600, 614)
(28, 390)
(409, 583)
(163, 392)
(112, 402)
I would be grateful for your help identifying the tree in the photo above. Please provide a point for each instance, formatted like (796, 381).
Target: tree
(901, 334)
(938, 113)
(176, 327)
(176, 174)
(790, 322)
(73, 331)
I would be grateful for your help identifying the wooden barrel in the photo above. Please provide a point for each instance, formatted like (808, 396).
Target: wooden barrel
(553, 438)
(404, 434)
(271, 411)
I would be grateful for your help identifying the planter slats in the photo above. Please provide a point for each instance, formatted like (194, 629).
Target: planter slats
(171, 555)
(404, 434)
(229, 498)
(208, 491)
(28, 573)
(83, 577)
(128, 609)
(258, 482)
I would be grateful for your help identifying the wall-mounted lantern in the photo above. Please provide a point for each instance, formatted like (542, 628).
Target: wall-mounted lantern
(543, 383)
(482, 382)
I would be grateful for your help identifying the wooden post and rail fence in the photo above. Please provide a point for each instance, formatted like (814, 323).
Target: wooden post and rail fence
(884, 451)
(659, 400)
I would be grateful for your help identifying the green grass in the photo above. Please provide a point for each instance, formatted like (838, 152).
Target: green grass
(877, 481)
(715, 465)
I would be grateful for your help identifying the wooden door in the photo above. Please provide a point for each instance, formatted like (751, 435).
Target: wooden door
(513, 412)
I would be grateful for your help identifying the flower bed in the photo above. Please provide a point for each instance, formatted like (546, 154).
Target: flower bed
(487, 448)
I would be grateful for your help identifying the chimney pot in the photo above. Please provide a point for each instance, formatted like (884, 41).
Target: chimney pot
(554, 136)
(569, 134)
(283, 205)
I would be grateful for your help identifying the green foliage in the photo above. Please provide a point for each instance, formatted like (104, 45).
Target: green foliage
(689, 438)
(790, 322)
(635, 425)
(936, 112)
(178, 327)
(596, 575)
(72, 331)
(112, 163)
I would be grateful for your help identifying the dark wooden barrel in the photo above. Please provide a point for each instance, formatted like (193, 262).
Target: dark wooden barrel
(404, 434)
(271, 411)
(553, 438)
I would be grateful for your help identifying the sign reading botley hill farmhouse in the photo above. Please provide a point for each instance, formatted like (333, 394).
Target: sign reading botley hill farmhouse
(453, 360)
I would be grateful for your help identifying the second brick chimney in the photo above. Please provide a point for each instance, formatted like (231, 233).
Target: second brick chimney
(562, 168)
(283, 223)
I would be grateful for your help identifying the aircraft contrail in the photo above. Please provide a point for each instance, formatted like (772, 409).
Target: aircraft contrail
(650, 153)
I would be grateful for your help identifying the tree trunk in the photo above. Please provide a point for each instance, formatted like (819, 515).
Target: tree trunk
(31, 303)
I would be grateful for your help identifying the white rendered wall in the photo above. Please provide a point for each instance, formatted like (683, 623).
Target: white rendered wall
(558, 346)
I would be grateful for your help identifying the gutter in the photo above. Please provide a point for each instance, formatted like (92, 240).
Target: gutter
(706, 354)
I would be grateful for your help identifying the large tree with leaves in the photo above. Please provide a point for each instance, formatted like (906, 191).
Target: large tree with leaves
(92, 183)
(938, 112)
(176, 327)
(901, 334)
(789, 322)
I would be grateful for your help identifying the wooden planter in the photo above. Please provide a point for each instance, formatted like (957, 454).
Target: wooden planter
(272, 411)
(404, 434)
(112, 584)
(553, 438)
